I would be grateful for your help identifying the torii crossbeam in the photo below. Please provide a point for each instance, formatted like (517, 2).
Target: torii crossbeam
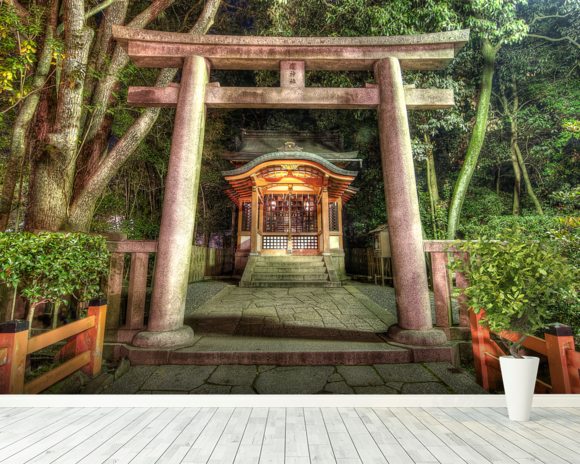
(292, 56)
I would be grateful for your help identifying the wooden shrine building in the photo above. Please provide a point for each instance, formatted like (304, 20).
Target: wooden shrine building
(289, 189)
(386, 57)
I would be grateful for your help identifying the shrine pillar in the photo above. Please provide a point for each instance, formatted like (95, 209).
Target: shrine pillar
(165, 328)
(415, 326)
(254, 226)
(325, 222)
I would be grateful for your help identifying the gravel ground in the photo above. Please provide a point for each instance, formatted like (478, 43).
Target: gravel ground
(385, 297)
(200, 292)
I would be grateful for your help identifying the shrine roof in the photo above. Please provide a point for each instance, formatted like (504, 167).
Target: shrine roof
(254, 143)
(289, 155)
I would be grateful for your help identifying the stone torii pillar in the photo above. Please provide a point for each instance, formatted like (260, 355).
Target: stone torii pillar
(415, 326)
(165, 328)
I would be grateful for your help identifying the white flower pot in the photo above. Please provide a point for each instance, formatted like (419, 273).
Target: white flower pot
(519, 379)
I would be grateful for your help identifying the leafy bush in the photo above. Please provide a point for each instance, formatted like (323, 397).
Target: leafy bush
(521, 283)
(536, 227)
(49, 267)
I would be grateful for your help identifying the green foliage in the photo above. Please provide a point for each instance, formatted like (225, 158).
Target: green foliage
(496, 20)
(52, 266)
(521, 283)
(18, 43)
(536, 227)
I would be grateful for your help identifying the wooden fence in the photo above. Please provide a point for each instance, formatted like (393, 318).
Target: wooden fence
(362, 261)
(85, 345)
(131, 279)
(557, 347)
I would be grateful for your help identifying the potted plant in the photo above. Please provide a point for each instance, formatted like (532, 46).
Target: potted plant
(517, 281)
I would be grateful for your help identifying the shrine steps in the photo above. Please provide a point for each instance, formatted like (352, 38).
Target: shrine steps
(289, 271)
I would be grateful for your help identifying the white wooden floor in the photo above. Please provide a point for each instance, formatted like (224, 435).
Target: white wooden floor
(287, 435)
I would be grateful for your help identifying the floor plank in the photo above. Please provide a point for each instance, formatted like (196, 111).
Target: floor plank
(227, 446)
(187, 437)
(201, 450)
(538, 434)
(385, 440)
(251, 444)
(26, 433)
(319, 445)
(119, 440)
(418, 452)
(80, 451)
(274, 444)
(288, 436)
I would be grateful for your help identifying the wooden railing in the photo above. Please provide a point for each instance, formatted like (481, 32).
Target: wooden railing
(442, 283)
(85, 345)
(127, 316)
(557, 347)
(132, 319)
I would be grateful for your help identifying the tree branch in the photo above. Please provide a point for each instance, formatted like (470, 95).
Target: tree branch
(82, 209)
(541, 18)
(555, 39)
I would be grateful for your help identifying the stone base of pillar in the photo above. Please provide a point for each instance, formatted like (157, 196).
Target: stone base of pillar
(169, 339)
(428, 337)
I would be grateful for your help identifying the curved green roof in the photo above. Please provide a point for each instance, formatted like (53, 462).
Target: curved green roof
(292, 155)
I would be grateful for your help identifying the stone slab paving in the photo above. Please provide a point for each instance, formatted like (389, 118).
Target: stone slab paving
(328, 313)
(427, 378)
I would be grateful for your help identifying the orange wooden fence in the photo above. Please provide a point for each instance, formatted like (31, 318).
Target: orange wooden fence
(557, 347)
(85, 344)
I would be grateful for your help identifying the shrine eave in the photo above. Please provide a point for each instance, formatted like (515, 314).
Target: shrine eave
(289, 155)
(159, 49)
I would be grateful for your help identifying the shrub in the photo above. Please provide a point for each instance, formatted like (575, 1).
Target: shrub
(49, 267)
(520, 282)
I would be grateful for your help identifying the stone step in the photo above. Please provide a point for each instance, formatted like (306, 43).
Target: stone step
(292, 271)
(290, 259)
(290, 283)
(297, 277)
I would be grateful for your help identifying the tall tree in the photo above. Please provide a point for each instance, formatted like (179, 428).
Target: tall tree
(69, 106)
(493, 24)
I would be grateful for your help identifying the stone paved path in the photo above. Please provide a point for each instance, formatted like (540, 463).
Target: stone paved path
(338, 313)
(427, 378)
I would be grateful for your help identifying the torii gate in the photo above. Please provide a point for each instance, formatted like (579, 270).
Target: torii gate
(196, 55)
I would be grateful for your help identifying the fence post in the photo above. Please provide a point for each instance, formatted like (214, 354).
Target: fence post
(441, 290)
(462, 282)
(559, 338)
(115, 289)
(93, 339)
(481, 343)
(13, 351)
(137, 291)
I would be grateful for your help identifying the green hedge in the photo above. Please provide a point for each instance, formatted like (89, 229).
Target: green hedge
(53, 266)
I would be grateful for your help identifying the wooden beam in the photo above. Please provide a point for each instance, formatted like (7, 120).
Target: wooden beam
(51, 377)
(166, 49)
(291, 98)
(48, 338)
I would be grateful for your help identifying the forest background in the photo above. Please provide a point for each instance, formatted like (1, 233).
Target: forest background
(75, 156)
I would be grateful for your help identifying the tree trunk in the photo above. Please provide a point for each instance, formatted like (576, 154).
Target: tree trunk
(54, 170)
(22, 124)
(527, 182)
(516, 206)
(476, 142)
(432, 185)
(85, 201)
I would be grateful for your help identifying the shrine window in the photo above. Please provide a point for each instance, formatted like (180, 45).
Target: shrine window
(246, 216)
(333, 222)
